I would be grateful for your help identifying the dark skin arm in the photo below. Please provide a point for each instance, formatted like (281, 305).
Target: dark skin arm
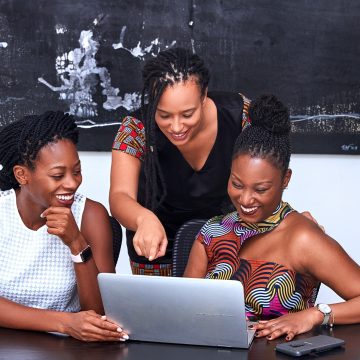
(84, 325)
(96, 232)
(198, 261)
(317, 254)
(150, 238)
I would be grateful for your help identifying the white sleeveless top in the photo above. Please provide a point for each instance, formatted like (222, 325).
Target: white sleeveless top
(36, 269)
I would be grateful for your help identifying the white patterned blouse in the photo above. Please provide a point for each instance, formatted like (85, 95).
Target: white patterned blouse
(36, 269)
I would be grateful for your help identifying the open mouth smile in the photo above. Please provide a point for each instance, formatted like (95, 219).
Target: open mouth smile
(65, 197)
(248, 210)
(179, 136)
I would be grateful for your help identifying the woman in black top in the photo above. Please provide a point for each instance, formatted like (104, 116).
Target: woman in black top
(171, 160)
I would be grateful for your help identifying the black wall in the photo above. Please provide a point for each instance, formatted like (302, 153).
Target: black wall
(306, 52)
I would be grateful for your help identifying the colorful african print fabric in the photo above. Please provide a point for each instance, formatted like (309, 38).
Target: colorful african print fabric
(130, 138)
(245, 115)
(151, 269)
(270, 289)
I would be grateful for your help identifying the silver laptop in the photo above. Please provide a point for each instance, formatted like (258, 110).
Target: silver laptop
(177, 310)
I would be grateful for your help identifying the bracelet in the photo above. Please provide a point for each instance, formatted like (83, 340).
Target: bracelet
(332, 323)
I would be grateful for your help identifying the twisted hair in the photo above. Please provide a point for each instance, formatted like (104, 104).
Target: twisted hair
(21, 141)
(169, 67)
(268, 137)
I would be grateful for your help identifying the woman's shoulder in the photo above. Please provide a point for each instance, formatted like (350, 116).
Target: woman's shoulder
(130, 137)
(132, 122)
(94, 208)
(95, 214)
(226, 99)
(232, 109)
(302, 232)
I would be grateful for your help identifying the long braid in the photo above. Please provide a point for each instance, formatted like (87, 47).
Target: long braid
(21, 141)
(169, 67)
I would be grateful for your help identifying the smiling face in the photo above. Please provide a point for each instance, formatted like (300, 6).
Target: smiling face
(56, 177)
(180, 111)
(255, 187)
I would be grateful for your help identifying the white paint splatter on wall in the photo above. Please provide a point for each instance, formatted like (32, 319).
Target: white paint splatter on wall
(60, 29)
(80, 75)
(140, 51)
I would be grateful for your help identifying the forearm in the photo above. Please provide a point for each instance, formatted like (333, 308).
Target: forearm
(347, 312)
(86, 279)
(16, 316)
(88, 287)
(128, 211)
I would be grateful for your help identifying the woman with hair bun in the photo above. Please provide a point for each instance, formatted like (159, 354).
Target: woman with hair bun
(280, 256)
(53, 240)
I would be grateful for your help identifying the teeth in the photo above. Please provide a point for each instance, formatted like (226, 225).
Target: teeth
(65, 197)
(248, 210)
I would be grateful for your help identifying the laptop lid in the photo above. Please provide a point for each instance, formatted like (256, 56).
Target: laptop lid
(177, 310)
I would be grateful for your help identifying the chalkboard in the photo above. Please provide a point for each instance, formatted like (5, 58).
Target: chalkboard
(85, 57)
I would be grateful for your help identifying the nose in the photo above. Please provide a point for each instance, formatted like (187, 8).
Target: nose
(176, 125)
(246, 197)
(71, 182)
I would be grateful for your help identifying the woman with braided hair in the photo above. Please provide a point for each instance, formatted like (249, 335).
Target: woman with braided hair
(171, 159)
(279, 255)
(53, 240)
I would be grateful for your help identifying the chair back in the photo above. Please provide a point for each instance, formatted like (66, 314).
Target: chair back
(117, 238)
(183, 241)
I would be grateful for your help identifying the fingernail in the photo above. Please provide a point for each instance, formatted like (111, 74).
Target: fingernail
(251, 326)
(119, 329)
(42, 215)
(103, 317)
(121, 339)
(287, 338)
(257, 334)
(125, 336)
(269, 337)
(150, 258)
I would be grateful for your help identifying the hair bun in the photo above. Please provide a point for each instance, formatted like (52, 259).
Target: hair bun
(271, 114)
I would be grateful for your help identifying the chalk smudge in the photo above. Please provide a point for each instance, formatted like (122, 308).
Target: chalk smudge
(140, 51)
(80, 75)
(11, 99)
(60, 29)
(88, 124)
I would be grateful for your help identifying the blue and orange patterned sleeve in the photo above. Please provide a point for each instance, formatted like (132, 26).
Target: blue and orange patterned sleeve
(130, 138)
(246, 121)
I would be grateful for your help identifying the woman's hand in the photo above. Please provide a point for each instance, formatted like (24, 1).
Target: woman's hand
(150, 238)
(308, 215)
(90, 326)
(60, 222)
(289, 324)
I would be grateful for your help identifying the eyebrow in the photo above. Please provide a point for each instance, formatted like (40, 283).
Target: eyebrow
(258, 183)
(60, 167)
(167, 112)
